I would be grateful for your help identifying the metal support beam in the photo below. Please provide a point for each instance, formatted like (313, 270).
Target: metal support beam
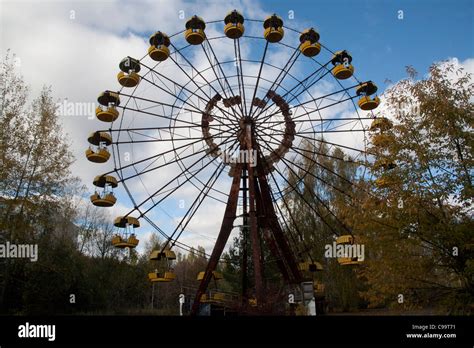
(226, 228)
(254, 235)
(275, 227)
(267, 235)
(245, 229)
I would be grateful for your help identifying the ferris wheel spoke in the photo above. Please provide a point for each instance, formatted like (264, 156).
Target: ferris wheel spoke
(365, 152)
(203, 194)
(240, 74)
(330, 212)
(294, 225)
(150, 128)
(287, 67)
(298, 151)
(134, 97)
(284, 161)
(152, 141)
(158, 140)
(316, 76)
(288, 164)
(183, 173)
(194, 207)
(205, 98)
(259, 75)
(178, 244)
(222, 72)
(301, 84)
(323, 120)
(181, 245)
(185, 146)
(166, 129)
(311, 129)
(316, 152)
(324, 131)
(352, 198)
(164, 116)
(186, 101)
(200, 74)
(176, 160)
(333, 157)
(307, 83)
(313, 100)
(171, 191)
(157, 228)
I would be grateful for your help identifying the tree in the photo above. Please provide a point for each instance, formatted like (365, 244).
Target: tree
(321, 204)
(418, 222)
(36, 186)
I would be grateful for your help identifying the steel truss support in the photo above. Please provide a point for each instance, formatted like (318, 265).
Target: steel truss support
(262, 223)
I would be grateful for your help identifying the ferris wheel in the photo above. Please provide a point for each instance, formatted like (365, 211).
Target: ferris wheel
(218, 112)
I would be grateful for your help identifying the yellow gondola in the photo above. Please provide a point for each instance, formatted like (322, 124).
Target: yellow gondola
(273, 29)
(215, 275)
(381, 123)
(234, 25)
(97, 151)
(343, 68)
(164, 271)
(128, 76)
(109, 100)
(310, 46)
(310, 266)
(126, 239)
(161, 276)
(109, 114)
(121, 242)
(159, 255)
(194, 33)
(347, 261)
(214, 297)
(365, 90)
(367, 103)
(345, 239)
(159, 43)
(106, 198)
(385, 181)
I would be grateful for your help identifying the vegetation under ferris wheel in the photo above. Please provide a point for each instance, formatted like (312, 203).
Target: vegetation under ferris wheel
(214, 112)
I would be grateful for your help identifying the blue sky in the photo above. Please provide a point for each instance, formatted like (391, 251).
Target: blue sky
(380, 43)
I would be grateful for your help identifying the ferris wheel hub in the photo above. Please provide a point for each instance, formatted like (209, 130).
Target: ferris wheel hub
(246, 121)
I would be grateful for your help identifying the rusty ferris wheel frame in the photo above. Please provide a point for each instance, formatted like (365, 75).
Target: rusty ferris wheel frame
(228, 114)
